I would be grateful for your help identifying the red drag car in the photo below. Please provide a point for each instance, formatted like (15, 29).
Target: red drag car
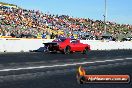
(66, 46)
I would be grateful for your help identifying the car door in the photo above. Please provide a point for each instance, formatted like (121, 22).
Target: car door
(76, 45)
(73, 45)
(79, 46)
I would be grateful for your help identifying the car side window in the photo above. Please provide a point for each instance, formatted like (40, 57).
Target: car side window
(74, 41)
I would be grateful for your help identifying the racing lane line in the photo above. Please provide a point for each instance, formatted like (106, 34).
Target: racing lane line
(63, 65)
(128, 58)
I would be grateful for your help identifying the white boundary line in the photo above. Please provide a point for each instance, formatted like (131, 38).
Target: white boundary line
(63, 65)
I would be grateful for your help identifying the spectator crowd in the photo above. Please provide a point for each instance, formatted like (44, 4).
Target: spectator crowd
(22, 23)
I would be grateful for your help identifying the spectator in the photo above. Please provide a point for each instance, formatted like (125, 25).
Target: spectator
(12, 34)
(72, 36)
(52, 36)
(44, 35)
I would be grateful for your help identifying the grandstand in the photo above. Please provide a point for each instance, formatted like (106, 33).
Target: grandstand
(8, 5)
(18, 22)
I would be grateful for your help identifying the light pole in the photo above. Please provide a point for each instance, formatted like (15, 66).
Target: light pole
(105, 16)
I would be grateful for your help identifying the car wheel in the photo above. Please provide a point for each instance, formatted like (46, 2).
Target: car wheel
(85, 51)
(46, 49)
(67, 50)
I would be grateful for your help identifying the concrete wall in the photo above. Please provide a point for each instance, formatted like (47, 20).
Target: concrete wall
(25, 45)
(108, 45)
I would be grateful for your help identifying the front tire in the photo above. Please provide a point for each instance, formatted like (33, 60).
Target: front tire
(85, 51)
(67, 50)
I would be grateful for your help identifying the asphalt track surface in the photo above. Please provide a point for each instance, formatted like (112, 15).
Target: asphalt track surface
(45, 70)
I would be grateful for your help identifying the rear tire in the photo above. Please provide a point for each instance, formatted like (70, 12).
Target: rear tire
(50, 49)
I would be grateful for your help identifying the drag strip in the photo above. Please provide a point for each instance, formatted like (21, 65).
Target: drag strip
(66, 65)
(62, 68)
(65, 76)
(23, 60)
(38, 70)
(24, 57)
(14, 62)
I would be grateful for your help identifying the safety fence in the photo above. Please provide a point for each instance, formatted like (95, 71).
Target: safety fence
(26, 45)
